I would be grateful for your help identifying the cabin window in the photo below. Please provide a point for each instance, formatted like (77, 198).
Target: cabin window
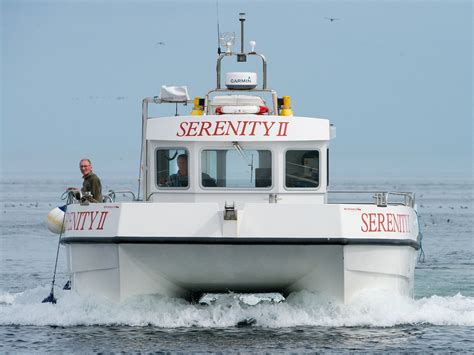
(236, 168)
(172, 168)
(302, 169)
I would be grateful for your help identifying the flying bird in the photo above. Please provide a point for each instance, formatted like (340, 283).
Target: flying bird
(332, 19)
(160, 43)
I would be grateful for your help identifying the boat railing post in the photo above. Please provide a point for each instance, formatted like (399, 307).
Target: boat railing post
(410, 199)
(381, 199)
(264, 68)
(144, 155)
(275, 102)
(218, 68)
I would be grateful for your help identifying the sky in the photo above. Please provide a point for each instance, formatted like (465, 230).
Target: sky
(395, 77)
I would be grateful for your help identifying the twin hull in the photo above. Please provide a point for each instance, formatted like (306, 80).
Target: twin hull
(185, 249)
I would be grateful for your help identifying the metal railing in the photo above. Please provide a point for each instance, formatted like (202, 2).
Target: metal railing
(112, 195)
(382, 198)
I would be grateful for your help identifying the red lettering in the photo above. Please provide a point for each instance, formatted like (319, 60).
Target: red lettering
(372, 222)
(244, 126)
(192, 128)
(396, 223)
(385, 222)
(103, 216)
(364, 220)
(77, 220)
(93, 217)
(205, 125)
(381, 220)
(234, 129)
(183, 130)
(282, 129)
(389, 222)
(252, 132)
(226, 128)
(267, 128)
(404, 226)
(84, 214)
(219, 127)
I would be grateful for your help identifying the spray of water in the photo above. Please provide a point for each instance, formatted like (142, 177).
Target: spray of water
(372, 309)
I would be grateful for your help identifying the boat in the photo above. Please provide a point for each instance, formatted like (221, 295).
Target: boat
(234, 196)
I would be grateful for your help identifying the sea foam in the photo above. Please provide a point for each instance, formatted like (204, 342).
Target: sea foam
(371, 309)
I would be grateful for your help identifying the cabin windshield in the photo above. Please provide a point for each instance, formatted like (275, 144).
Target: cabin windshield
(236, 168)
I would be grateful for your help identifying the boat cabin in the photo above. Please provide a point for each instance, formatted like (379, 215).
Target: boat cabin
(234, 148)
(240, 143)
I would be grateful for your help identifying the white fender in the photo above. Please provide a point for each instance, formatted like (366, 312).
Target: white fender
(55, 218)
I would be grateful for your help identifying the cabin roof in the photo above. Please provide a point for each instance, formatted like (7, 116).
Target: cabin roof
(238, 128)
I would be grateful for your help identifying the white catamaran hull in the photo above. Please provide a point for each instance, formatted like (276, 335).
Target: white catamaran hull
(105, 259)
(118, 271)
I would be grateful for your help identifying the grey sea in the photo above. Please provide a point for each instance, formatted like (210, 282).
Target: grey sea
(439, 319)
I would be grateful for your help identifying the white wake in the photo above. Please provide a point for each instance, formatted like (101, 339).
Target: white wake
(373, 309)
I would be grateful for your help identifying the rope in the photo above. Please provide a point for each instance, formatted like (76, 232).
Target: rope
(51, 298)
(422, 255)
(69, 194)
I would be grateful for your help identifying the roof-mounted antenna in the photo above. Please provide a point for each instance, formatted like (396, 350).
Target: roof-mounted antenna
(218, 30)
(241, 57)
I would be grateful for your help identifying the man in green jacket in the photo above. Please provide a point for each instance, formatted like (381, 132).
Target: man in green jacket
(91, 181)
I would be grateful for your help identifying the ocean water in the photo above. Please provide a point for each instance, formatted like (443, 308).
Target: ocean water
(440, 318)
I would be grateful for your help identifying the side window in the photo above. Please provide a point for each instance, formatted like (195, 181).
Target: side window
(172, 168)
(302, 169)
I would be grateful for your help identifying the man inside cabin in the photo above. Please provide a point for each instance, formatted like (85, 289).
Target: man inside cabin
(91, 181)
(180, 179)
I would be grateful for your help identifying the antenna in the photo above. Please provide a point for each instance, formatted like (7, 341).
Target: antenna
(218, 31)
(241, 57)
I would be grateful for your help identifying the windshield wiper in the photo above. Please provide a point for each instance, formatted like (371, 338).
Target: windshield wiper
(249, 162)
